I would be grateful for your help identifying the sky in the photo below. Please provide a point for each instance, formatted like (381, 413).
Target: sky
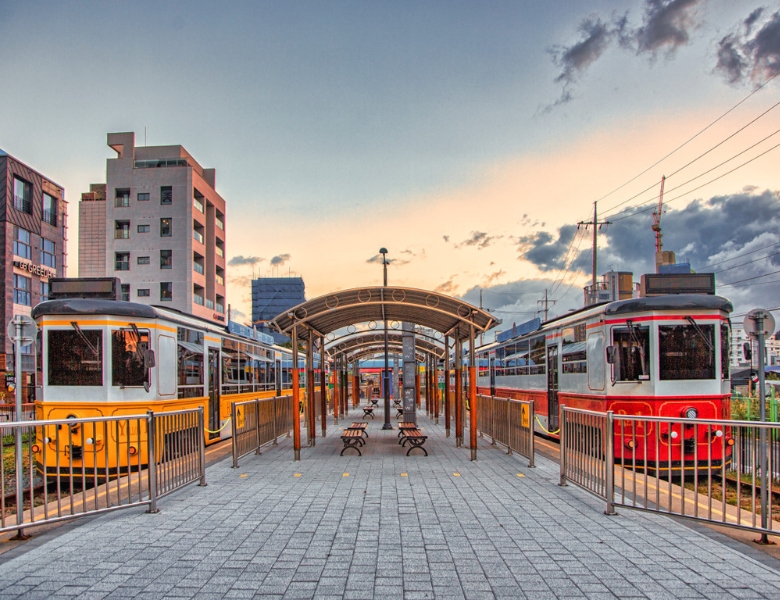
(468, 138)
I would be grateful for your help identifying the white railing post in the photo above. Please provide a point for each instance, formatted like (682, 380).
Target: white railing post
(202, 446)
(532, 447)
(235, 434)
(610, 463)
(562, 429)
(151, 438)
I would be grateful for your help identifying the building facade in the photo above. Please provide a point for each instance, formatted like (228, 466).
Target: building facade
(164, 229)
(34, 218)
(92, 231)
(272, 296)
(738, 340)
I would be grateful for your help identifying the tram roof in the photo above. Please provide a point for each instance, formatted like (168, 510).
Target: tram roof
(89, 306)
(330, 312)
(670, 302)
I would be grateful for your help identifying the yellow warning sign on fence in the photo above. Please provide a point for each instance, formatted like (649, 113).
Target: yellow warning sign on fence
(239, 418)
(524, 415)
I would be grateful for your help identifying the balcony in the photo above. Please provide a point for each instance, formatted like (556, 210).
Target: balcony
(220, 308)
(50, 217)
(23, 205)
(198, 268)
(220, 223)
(198, 204)
(209, 304)
(122, 265)
(198, 299)
(122, 201)
(220, 280)
(197, 235)
(220, 252)
(122, 234)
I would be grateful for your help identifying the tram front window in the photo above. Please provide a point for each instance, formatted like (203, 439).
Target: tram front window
(633, 353)
(686, 351)
(76, 357)
(127, 357)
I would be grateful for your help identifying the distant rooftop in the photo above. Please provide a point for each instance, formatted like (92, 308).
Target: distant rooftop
(3, 152)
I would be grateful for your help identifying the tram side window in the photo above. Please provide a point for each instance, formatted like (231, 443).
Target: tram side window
(725, 351)
(127, 357)
(686, 351)
(76, 357)
(537, 356)
(633, 353)
(574, 352)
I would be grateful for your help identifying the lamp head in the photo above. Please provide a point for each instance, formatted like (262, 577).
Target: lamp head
(383, 251)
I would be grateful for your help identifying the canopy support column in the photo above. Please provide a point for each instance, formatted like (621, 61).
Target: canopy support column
(356, 383)
(336, 392)
(310, 401)
(447, 385)
(458, 393)
(437, 400)
(296, 397)
(323, 388)
(472, 393)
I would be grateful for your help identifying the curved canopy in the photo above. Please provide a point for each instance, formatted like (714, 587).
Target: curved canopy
(393, 348)
(328, 313)
(371, 338)
(368, 353)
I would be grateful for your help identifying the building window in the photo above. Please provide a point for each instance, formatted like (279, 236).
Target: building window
(220, 220)
(122, 197)
(143, 196)
(197, 232)
(48, 253)
(197, 204)
(166, 227)
(166, 291)
(144, 260)
(22, 287)
(49, 210)
(143, 229)
(121, 230)
(143, 292)
(122, 261)
(219, 250)
(166, 259)
(166, 194)
(125, 292)
(219, 277)
(22, 244)
(22, 196)
(44, 291)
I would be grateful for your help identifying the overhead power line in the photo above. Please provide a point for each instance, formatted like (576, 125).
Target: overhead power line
(747, 263)
(749, 279)
(688, 141)
(707, 266)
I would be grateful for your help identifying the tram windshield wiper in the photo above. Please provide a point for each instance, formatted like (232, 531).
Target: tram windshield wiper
(633, 330)
(701, 333)
(84, 339)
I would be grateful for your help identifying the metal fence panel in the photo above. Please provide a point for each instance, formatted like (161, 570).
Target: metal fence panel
(583, 452)
(259, 422)
(509, 423)
(179, 449)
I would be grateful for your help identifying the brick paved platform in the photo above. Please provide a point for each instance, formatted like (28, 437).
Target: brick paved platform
(384, 526)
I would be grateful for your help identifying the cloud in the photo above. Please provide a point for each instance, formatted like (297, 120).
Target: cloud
(544, 251)
(666, 25)
(448, 287)
(480, 239)
(377, 258)
(280, 260)
(573, 60)
(239, 260)
(493, 277)
(751, 53)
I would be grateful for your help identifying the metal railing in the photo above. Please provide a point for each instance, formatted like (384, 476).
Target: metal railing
(8, 414)
(723, 472)
(22, 204)
(69, 468)
(258, 422)
(509, 423)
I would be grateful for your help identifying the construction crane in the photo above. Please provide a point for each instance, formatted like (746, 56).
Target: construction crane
(656, 227)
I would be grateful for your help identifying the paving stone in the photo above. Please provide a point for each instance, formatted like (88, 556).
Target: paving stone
(375, 534)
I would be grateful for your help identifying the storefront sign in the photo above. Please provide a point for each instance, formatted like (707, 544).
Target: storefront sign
(34, 269)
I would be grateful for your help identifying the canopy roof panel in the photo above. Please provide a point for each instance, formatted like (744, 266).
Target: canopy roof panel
(328, 313)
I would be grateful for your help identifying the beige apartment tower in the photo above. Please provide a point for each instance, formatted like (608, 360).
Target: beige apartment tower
(163, 229)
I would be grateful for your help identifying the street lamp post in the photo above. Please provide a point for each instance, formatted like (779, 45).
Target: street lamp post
(385, 373)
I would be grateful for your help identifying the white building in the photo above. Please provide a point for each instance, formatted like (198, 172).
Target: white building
(164, 229)
(738, 339)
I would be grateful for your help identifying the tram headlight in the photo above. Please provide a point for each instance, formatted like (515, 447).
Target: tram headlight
(690, 413)
(674, 435)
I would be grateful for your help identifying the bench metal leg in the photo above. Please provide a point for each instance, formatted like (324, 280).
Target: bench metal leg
(353, 446)
(416, 445)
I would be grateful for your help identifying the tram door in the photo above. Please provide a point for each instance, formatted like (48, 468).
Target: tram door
(552, 387)
(214, 399)
(492, 376)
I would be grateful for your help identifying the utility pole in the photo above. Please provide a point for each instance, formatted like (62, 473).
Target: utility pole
(545, 303)
(481, 335)
(596, 226)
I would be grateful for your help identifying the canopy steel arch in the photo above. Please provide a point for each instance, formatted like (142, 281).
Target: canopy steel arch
(332, 340)
(369, 338)
(450, 316)
(396, 348)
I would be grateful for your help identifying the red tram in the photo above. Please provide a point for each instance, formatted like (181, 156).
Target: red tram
(664, 356)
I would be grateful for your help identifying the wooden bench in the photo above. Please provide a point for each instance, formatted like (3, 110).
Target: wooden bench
(374, 401)
(402, 427)
(416, 440)
(352, 438)
(399, 412)
(360, 426)
(368, 411)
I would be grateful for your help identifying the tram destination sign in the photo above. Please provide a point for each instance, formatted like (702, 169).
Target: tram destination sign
(660, 284)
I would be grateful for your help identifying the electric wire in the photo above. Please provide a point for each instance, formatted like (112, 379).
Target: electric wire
(689, 140)
(698, 187)
(747, 263)
(707, 266)
(748, 279)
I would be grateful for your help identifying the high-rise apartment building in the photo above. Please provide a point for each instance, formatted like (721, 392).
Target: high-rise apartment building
(164, 228)
(272, 296)
(33, 228)
(92, 231)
